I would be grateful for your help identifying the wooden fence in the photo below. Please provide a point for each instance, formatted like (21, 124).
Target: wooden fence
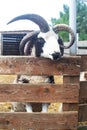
(67, 93)
(83, 91)
(81, 48)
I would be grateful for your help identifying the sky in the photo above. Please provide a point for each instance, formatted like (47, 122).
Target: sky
(12, 8)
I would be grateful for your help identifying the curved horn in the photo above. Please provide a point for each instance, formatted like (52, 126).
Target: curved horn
(64, 27)
(25, 39)
(27, 48)
(40, 21)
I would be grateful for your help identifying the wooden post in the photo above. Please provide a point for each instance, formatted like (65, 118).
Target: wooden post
(72, 22)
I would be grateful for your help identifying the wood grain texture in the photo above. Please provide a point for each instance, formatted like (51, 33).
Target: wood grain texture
(82, 112)
(84, 62)
(39, 93)
(71, 79)
(83, 102)
(70, 107)
(39, 66)
(83, 92)
(67, 92)
(59, 121)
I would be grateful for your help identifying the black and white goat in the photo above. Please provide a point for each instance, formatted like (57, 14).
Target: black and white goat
(43, 43)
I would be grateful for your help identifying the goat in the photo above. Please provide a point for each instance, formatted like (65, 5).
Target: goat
(42, 43)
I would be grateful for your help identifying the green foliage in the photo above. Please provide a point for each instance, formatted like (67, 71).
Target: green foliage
(81, 20)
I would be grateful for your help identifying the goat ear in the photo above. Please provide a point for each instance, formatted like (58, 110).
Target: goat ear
(41, 40)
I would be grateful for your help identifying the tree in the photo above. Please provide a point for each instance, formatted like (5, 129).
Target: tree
(81, 20)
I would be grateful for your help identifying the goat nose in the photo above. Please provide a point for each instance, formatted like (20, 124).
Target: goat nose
(56, 56)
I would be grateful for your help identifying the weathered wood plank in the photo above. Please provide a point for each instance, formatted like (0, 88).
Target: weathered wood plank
(83, 102)
(81, 48)
(39, 93)
(82, 112)
(82, 51)
(39, 66)
(84, 63)
(83, 92)
(70, 107)
(82, 44)
(59, 121)
(71, 79)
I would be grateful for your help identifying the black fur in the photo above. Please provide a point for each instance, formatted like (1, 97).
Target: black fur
(38, 46)
(60, 42)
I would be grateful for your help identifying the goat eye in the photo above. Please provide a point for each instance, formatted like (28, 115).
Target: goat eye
(41, 40)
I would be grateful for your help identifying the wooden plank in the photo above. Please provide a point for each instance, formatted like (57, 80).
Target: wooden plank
(83, 102)
(81, 48)
(70, 107)
(39, 66)
(59, 121)
(71, 79)
(39, 93)
(82, 52)
(83, 92)
(84, 63)
(82, 112)
(79, 52)
(82, 44)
